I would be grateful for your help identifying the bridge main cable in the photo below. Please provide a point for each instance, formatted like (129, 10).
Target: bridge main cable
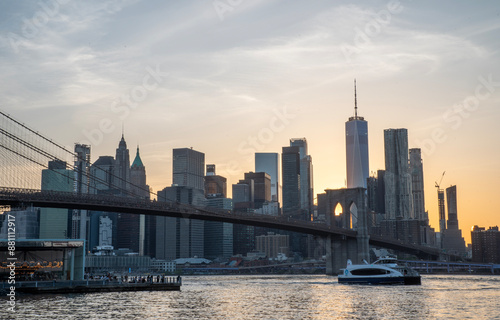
(52, 157)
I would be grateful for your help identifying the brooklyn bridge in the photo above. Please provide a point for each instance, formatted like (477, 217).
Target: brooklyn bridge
(24, 153)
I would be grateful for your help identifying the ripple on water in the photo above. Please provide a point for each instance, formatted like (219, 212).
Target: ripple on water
(278, 297)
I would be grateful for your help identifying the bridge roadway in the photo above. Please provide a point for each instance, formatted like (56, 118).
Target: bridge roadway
(16, 197)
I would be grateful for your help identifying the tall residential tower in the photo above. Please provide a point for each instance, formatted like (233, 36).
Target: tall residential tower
(398, 191)
(417, 183)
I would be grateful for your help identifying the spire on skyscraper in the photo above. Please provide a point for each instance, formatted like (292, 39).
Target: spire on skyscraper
(355, 102)
(122, 145)
(137, 161)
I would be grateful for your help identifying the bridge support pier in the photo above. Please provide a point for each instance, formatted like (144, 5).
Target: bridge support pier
(338, 250)
(341, 248)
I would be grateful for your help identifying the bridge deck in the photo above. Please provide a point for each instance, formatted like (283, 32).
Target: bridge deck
(107, 203)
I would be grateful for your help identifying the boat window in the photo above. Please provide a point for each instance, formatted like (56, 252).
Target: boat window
(369, 272)
(385, 262)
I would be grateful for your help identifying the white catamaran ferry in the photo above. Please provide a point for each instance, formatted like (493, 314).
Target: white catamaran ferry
(383, 271)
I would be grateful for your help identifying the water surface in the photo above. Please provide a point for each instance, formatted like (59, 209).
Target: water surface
(278, 297)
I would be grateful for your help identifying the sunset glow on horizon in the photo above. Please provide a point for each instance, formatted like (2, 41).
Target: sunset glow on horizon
(249, 76)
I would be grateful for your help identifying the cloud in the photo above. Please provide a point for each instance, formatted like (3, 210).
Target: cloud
(226, 77)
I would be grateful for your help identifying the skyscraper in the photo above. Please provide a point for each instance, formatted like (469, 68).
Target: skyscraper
(417, 184)
(451, 201)
(427, 235)
(122, 166)
(140, 189)
(268, 162)
(81, 186)
(403, 185)
(176, 237)
(218, 241)
(306, 178)
(290, 168)
(102, 177)
(215, 185)
(381, 191)
(442, 214)
(372, 193)
(243, 194)
(453, 241)
(128, 226)
(356, 132)
(261, 187)
(297, 189)
(243, 202)
(218, 235)
(54, 222)
(103, 225)
(398, 194)
(188, 168)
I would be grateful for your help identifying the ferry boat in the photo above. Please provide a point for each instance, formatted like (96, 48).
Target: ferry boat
(383, 271)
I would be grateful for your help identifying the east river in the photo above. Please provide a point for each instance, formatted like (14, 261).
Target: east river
(277, 297)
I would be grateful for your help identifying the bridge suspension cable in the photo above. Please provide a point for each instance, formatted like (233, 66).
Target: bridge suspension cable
(24, 153)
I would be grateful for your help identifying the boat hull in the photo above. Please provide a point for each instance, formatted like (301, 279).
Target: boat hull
(412, 280)
(408, 280)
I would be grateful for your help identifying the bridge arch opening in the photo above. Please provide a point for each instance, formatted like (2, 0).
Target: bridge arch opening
(338, 209)
(337, 215)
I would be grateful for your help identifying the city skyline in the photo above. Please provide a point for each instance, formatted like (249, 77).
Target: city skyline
(252, 87)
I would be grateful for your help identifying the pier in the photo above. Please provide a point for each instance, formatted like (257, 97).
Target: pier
(90, 286)
(444, 267)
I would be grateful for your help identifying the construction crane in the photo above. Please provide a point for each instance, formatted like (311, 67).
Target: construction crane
(442, 217)
(442, 176)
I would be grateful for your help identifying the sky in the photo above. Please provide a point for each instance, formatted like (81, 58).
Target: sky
(234, 77)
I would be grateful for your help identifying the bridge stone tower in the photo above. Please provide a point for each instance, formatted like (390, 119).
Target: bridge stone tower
(341, 248)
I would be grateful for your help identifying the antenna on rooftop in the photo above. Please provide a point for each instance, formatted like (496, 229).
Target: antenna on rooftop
(355, 102)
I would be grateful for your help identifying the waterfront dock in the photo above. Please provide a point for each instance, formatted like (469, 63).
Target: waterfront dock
(91, 286)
